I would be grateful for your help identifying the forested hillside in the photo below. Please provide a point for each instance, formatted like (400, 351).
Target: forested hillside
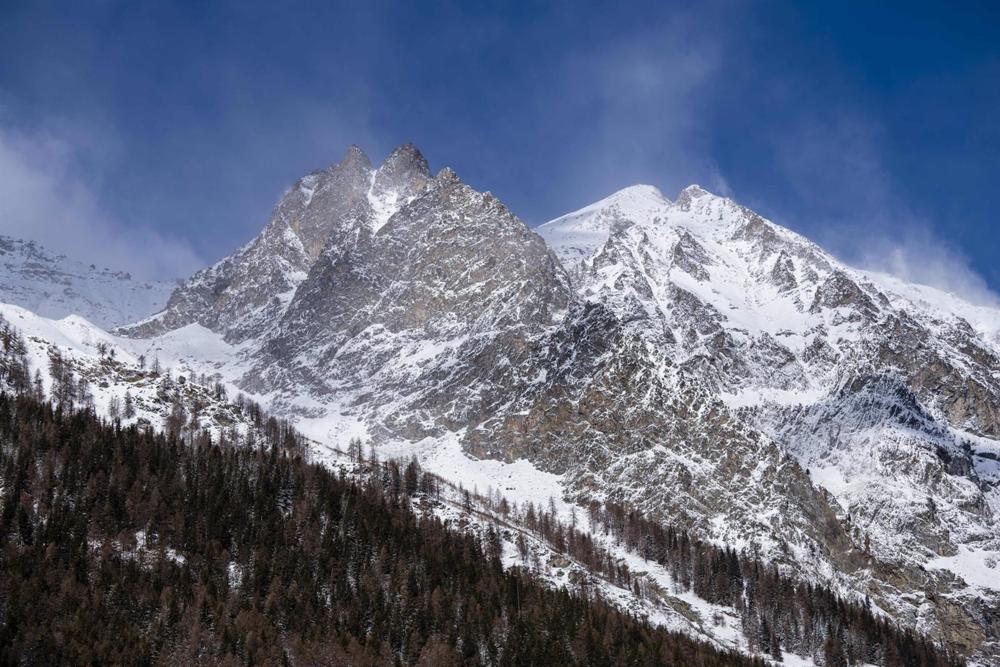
(120, 546)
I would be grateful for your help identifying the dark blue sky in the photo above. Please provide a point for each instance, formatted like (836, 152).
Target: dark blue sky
(870, 128)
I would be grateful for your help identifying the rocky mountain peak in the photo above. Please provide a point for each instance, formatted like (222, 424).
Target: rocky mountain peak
(447, 175)
(355, 159)
(402, 175)
(406, 161)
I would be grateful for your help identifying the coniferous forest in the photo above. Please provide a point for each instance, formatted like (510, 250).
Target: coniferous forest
(122, 546)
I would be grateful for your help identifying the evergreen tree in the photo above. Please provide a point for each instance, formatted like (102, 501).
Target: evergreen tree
(114, 407)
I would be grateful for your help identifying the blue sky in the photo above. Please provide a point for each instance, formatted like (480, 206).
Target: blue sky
(159, 137)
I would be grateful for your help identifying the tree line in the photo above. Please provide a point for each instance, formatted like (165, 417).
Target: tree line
(15, 372)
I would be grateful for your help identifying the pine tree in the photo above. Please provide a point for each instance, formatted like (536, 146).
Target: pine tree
(175, 420)
(83, 393)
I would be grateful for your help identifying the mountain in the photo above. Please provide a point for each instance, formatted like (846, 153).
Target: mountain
(685, 358)
(56, 286)
(823, 358)
(884, 392)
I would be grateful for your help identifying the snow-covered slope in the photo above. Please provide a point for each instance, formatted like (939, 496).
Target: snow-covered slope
(174, 373)
(57, 286)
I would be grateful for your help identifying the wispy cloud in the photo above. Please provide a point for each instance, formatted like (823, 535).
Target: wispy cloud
(920, 256)
(835, 168)
(46, 196)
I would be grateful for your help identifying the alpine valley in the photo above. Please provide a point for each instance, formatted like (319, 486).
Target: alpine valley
(683, 359)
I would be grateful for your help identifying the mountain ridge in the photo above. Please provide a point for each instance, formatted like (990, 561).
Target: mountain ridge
(55, 285)
(689, 358)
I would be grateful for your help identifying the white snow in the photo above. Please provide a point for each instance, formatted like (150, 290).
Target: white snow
(978, 568)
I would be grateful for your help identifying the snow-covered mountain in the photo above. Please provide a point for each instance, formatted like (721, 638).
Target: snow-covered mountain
(684, 357)
(829, 361)
(885, 392)
(56, 286)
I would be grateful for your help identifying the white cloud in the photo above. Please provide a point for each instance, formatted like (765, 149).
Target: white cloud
(45, 196)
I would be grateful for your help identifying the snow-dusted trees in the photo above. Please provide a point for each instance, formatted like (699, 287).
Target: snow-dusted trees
(356, 450)
(176, 419)
(14, 372)
(83, 393)
(114, 407)
(38, 387)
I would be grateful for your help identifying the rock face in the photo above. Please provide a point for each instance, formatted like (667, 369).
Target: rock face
(56, 286)
(686, 357)
(406, 318)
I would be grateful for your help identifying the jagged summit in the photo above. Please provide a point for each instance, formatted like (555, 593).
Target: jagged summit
(324, 213)
(403, 163)
(690, 194)
(694, 191)
(447, 175)
(402, 176)
(355, 157)
(406, 160)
